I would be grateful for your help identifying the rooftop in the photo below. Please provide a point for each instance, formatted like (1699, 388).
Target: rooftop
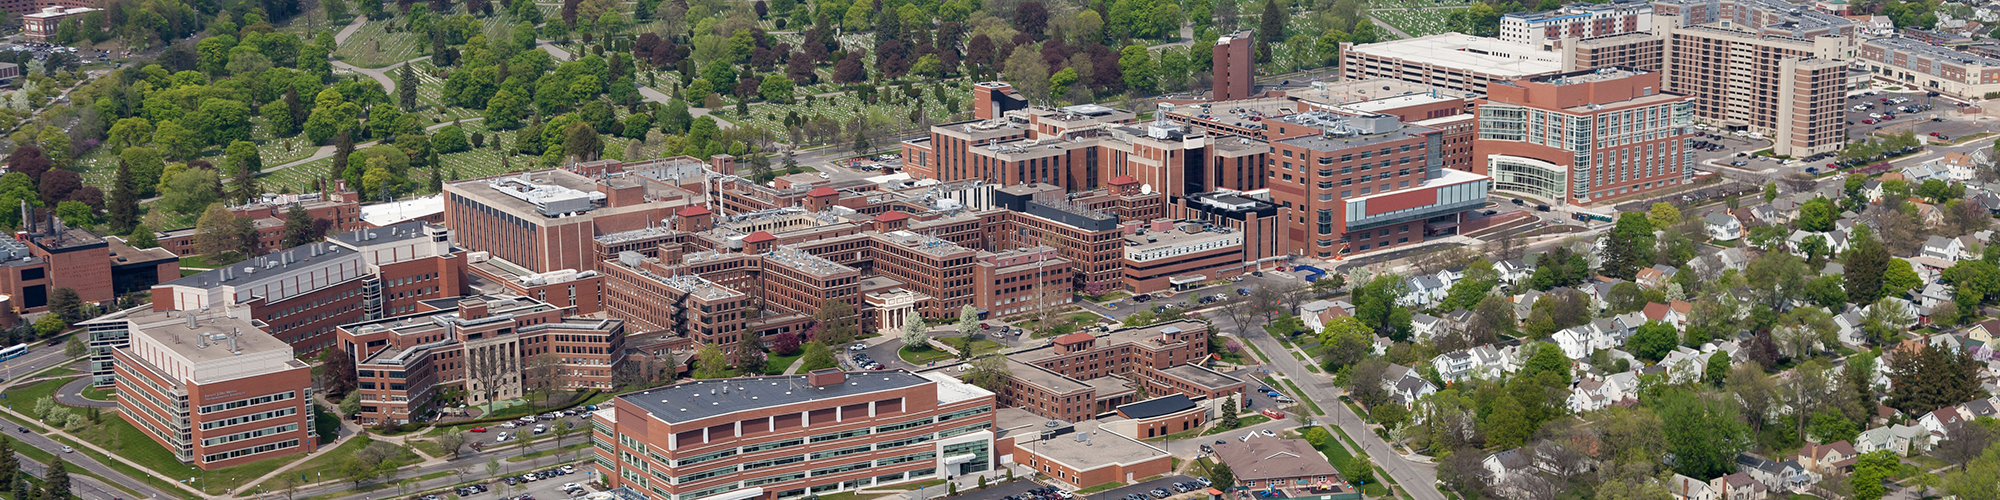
(701, 399)
(383, 214)
(1198, 374)
(1337, 93)
(534, 196)
(1264, 458)
(1100, 447)
(1933, 52)
(1466, 52)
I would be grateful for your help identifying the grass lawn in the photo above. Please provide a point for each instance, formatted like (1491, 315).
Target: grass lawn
(1241, 422)
(538, 453)
(429, 447)
(209, 261)
(24, 398)
(776, 365)
(120, 437)
(1107, 486)
(922, 353)
(1929, 462)
(979, 346)
(1064, 324)
(327, 464)
(1254, 349)
(99, 393)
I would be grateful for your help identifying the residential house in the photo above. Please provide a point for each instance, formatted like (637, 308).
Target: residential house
(1597, 393)
(1770, 215)
(1657, 276)
(1941, 422)
(1455, 366)
(1405, 385)
(1424, 291)
(1826, 458)
(1942, 248)
(1665, 313)
(1733, 258)
(1989, 201)
(1504, 464)
(1984, 331)
(1786, 477)
(1959, 167)
(1722, 226)
(1525, 302)
(1684, 364)
(1316, 314)
(1931, 296)
(1849, 324)
(1513, 270)
(1687, 488)
(1424, 326)
(1897, 438)
(1929, 214)
(1930, 170)
(1738, 486)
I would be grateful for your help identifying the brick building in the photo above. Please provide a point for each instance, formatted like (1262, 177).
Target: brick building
(1922, 65)
(1579, 137)
(1081, 375)
(40, 26)
(303, 293)
(337, 213)
(47, 255)
(493, 347)
(791, 436)
(1235, 67)
(212, 388)
(1547, 29)
(546, 220)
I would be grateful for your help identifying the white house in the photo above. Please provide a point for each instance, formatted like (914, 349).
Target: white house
(1722, 226)
(1424, 291)
(1513, 270)
(1942, 421)
(1597, 393)
(1899, 439)
(1687, 488)
(1425, 326)
(1405, 386)
(1947, 249)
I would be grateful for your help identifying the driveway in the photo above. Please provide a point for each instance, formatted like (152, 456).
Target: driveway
(71, 394)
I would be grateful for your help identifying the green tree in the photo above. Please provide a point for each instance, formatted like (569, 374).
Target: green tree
(9, 465)
(219, 232)
(1864, 266)
(1829, 425)
(1654, 340)
(710, 363)
(298, 227)
(1347, 342)
(1717, 369)
(1817, 215)
(1220, 475)
(1136, 64)
(1375, 304)
(1870, 469)
(1630, 246)
(406, 88)
(57, 479)
(1701, 431)
(1664, 214)
(817, 357)
(1899, 278)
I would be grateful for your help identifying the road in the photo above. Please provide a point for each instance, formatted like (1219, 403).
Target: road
(93, 487)
(1418, 478)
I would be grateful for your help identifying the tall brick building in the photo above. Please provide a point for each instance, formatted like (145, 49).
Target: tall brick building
(791, 436)
(1235, 67)
(1584, 136)
(212, 388)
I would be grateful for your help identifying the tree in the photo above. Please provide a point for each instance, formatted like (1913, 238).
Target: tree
(406, 88)
(1701, 431)
(817, 357)
(582, 142)
(455, 443)
(1927, 377)
(1870, 469)
(298, 227)
(124, 207)
(9, 465)
(1664, 214)
(1817, 215)
(914, 332)
(1270, 29)
(989, 371)
(1629, 247)
(191, 190)
(1347, 342)
(710, 363)
(1375, 304)
(220, 231)
(67, 304)
(1654, 340)
(1031, 17)
(1899, 278)
(1220, 475)
(57, 479)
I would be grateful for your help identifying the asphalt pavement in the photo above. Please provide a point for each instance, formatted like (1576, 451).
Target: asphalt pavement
(1141, 488)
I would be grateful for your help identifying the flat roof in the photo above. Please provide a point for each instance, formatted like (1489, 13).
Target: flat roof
(174, 333)
(1205, 377)
(1318, 142)
(1160, 406)
(1401, 101)
(1102, 448)
(701, 399)
(1935, 52)
(1490, 56)
(384, 214)
(1127, 335)
(1337, 93)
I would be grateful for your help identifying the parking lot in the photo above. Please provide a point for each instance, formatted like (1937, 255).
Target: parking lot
(1256, 397)
(485, 437)
(542, 489)
(1141, 488)
(995, 492)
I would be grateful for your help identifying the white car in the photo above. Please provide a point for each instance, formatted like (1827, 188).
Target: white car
(1877, 116)
(67, 449)
(1268, 433)
(508, 424)
(570, 486)
(858, 347)
(504, 436)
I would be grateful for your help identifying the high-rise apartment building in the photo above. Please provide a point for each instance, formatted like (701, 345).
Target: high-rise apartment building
(1547, 29)
(1965, 75)
(1234, 66)
(1584, 136)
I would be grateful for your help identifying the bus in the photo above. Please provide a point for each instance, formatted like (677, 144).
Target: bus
(13, 352)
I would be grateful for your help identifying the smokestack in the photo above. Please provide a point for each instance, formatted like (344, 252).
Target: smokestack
(232, 340)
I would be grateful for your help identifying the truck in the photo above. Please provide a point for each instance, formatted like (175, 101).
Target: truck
(1590, 217)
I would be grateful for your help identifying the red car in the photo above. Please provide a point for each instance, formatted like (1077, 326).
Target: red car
(1888, 117)
(1868, 120)
(478, 429)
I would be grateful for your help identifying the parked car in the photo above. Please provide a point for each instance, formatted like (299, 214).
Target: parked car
(478, 429)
